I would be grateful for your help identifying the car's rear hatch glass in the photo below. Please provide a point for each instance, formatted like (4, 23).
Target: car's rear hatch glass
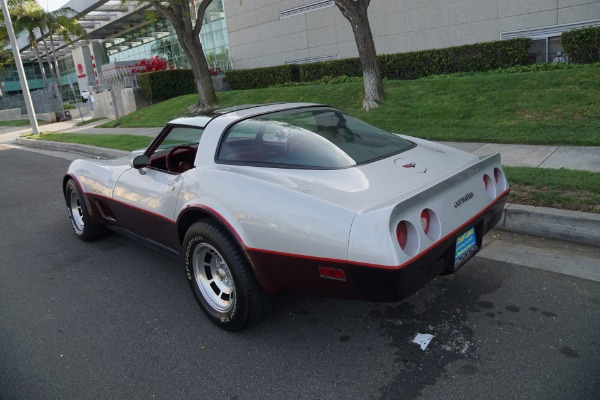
(315, 137)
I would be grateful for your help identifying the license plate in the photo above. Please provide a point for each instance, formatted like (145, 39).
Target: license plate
(466, 246)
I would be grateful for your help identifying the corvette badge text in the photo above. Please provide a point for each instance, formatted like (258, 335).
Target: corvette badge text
(463, 199)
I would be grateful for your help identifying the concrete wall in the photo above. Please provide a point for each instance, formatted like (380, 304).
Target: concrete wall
(103, 106)
(133, 99)
(258, 37)
(10, 114)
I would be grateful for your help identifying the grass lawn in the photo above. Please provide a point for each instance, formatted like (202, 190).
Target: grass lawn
(119, 142)
(88, 121)
(20, 122)
(544, 107)
(556, 188)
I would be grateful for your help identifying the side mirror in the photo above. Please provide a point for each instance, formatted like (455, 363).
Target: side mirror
(140, 161)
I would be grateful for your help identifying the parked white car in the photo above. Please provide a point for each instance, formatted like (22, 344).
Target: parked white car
(265, 199)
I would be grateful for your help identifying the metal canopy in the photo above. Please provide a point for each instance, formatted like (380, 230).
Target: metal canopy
(102, 19)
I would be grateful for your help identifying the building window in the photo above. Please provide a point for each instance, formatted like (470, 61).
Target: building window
(159, 39)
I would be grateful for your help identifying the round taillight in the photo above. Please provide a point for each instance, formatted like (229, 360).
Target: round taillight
(402, 234)
(425, 220)
(490, 188)
(500, 179)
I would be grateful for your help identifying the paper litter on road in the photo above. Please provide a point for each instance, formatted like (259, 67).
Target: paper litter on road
(422, 339)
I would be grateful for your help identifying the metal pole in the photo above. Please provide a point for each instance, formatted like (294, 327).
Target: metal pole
(75, 96)
(19, 62)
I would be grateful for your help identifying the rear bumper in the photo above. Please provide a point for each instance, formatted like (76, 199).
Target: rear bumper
(279, 273)
(394, 285)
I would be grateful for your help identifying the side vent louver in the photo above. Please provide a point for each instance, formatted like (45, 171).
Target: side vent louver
(318, 5)
(314, 59)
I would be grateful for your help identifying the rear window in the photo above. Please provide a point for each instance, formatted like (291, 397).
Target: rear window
(318, 137)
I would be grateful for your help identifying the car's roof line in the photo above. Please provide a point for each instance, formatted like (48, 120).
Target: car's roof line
(226, 110)
(201, 119)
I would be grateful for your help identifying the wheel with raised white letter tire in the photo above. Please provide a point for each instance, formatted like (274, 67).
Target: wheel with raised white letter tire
(221, 278)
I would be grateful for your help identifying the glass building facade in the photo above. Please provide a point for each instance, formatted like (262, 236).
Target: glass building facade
(10, 82)
(158, 39)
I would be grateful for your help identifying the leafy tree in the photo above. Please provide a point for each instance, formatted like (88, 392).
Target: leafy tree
(355, 12)
(27, 17)
(187, 22)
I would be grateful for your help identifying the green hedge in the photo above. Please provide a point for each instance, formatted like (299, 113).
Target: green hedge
(164, 85)
(582, 45)
(261, 77)
(314, 71)
(468, 58)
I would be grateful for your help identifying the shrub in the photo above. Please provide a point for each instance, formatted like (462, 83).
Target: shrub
(314, 71)
(326, 80)
(413, 65)
(477, 57)
(261, 77)
(153, 64)
(582, 45)
(163, 85)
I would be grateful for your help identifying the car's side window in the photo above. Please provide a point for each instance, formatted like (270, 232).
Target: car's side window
(181, 135)
(177, 151)
(243, 142)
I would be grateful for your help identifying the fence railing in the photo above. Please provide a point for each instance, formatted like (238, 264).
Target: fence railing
(45, 100)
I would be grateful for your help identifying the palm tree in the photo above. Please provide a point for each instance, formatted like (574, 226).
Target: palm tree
(62, 22)
(27, 16)
(6, 56)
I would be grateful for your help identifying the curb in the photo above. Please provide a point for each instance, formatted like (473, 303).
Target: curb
(72, 148)
(552, 223)
(572, 226)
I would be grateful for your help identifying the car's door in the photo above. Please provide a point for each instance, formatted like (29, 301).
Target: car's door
(145, 202)
(145, 199)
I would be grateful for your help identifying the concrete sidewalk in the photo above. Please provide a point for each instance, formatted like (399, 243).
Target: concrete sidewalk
(578, 227)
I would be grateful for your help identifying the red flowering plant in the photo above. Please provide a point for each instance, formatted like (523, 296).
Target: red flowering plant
(215, 71)
(153, 64)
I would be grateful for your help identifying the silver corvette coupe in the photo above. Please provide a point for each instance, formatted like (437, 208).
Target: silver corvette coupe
(260, 200)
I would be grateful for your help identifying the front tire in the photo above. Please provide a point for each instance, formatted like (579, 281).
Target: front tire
(79, 214)
(221, 278)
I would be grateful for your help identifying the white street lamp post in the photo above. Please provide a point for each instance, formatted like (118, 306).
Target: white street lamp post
(19, 62)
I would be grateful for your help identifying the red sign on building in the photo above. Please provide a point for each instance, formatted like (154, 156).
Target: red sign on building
(80, 71)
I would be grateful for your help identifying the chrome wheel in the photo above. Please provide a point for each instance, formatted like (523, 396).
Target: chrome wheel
(76, 211)
(213, 278)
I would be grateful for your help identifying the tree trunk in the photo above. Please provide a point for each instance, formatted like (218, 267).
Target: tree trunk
(189, 39)
(207, 98)
(355, 12)
(42, 70)
(56, 89)
(56, 68)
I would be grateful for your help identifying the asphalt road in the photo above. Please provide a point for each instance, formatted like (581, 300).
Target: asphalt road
(114, 319)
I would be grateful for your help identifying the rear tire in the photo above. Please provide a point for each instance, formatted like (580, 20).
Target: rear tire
(221, 278)
(79, 214)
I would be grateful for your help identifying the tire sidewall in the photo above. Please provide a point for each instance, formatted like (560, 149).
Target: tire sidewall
(72, 187)
(235, 318)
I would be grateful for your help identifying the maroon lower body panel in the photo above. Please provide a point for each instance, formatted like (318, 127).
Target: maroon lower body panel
(151, 227)
(279, 273)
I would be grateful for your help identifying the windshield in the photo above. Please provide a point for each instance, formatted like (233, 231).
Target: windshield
(316, 137)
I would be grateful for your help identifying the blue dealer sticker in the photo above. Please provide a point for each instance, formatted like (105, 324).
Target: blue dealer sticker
(466, 246)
